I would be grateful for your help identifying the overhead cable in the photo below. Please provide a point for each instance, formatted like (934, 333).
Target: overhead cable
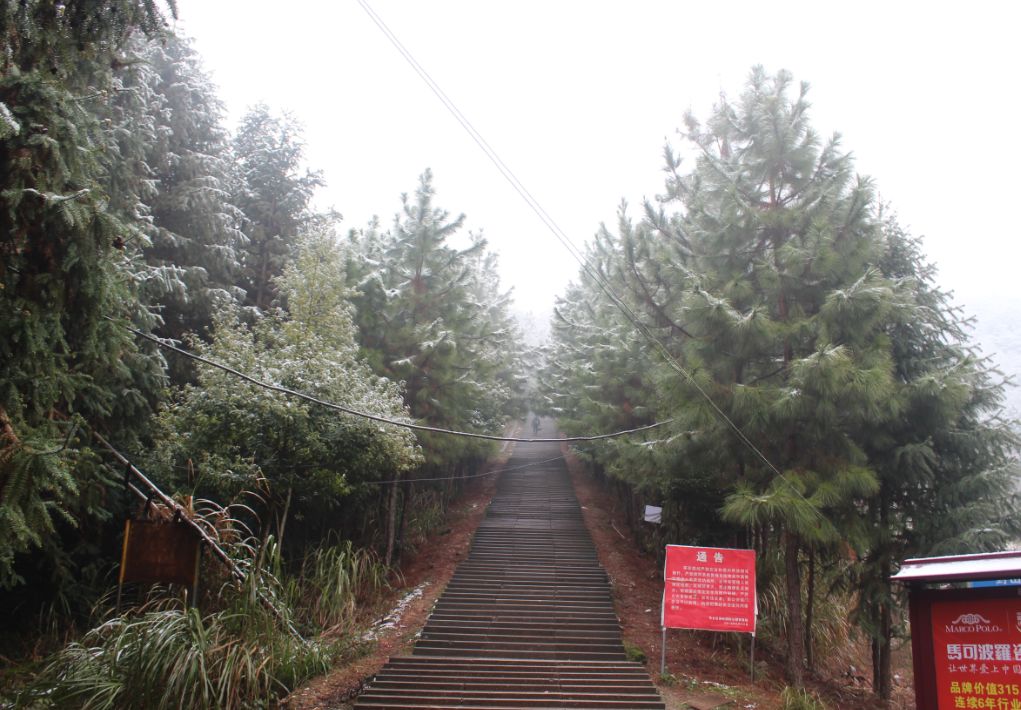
(463, 478)
(375, 417)
(559, 233)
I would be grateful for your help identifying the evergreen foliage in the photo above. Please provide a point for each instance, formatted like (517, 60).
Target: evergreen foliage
(124, 202)
(867, 431)
(432, 316)
(947, 465)
(826, 405)
(273, 194)
(222, 437)
(195, 227)
(62, 271)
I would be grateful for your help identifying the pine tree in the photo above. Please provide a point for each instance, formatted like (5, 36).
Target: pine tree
(946, 463)
(785, 312)
(432, 317)
(785, 300)
(274, 196)
(760, 287)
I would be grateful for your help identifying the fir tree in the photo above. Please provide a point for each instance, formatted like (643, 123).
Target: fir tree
(62, 271)
(274, 194)
(195, 228)
(432, 317)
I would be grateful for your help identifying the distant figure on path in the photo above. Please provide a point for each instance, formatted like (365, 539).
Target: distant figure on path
(535, 425)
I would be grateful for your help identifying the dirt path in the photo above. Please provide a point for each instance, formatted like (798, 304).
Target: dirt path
(706, 679)
(700, 669)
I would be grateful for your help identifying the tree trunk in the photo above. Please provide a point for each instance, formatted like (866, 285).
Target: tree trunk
(875, 655)
(885, 654)
(882, 659)
(810, 612)
(282, 520)
(795, 623)
(885, 660)
(263, 273)
(399, 546)
(391, 522)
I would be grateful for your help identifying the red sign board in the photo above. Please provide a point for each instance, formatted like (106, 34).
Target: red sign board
(709, 588)
(977, 647)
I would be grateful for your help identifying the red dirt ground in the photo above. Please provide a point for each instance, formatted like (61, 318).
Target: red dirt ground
(700, 669)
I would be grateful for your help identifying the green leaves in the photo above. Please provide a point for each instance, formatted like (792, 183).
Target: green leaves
(63, 271)
(432, 317)
(274, 196)
(236, 436)
(813, 326)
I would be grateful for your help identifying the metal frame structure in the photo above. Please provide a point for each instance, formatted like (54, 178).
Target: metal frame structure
(939, 579)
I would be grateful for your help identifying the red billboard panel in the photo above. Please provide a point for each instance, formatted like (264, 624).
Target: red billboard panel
(709, 588)
(977, 648)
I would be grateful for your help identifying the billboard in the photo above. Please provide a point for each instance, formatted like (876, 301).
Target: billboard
(709, 588)
(977, 649)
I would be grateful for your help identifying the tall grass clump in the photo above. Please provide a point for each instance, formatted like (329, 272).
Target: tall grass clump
(165, 655)
(831, 629)
(253, 642)
(331, 584)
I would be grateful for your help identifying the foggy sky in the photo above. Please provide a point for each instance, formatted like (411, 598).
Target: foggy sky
(578, 98)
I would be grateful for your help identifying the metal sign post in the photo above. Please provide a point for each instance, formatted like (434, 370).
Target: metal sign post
(751, 664)
(662, 656)
(709, 589)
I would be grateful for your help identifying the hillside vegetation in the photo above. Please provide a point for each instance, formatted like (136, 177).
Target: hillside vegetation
(313, 394)
(820, 398)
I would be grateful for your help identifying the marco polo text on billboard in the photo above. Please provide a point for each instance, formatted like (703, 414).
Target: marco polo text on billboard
(977, 646)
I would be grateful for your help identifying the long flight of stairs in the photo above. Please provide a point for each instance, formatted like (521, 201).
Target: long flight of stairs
(527, 620)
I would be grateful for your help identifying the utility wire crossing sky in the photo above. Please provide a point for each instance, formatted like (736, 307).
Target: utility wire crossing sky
(580, 99)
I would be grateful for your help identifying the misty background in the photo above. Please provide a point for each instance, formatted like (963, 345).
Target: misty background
(579, 100)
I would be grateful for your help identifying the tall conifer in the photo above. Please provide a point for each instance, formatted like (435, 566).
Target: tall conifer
(431, 316)
(852, 415)
(273, 190)
(62, 266)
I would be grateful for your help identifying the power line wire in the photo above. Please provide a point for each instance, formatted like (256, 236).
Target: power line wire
(560, 235)
(374, 417)
(462, 478)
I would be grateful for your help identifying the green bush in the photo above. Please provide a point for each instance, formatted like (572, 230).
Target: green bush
(634, 653)
(242, 655)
